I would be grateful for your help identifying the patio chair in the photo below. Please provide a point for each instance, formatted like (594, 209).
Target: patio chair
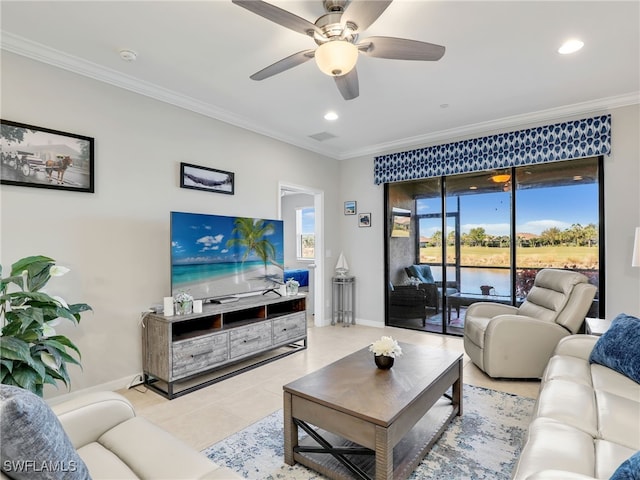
(516, 342)
(435, 288)
(408, 302)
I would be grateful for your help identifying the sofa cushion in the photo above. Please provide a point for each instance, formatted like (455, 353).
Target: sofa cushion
(569, 403)
(155, 453)
(564, 367)
(619, 347)
(609, 456)
(629, 470)
(610, 381)
(34, 444)
(553, 445)
(615, 416)
(104, 464)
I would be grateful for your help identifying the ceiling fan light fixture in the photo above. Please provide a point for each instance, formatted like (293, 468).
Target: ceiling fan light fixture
(336, 57)
(331, 116)
(570, 46)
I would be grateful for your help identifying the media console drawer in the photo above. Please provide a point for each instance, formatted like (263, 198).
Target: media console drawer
(289, 327)
(249, 339)
(195, 355)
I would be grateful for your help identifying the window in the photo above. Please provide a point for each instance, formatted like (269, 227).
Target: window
(305, 233)
(557, 220)
(485, 235)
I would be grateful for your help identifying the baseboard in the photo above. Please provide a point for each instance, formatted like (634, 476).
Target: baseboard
(369, 323)
(112, 386)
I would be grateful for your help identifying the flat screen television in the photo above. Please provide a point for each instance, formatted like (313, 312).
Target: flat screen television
(217, 256)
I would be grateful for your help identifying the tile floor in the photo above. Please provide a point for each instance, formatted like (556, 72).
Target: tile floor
(206, 416)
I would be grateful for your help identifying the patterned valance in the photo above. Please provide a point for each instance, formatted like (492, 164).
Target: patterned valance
(563, 141)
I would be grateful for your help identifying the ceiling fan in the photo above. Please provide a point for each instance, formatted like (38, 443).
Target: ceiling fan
(336, 34)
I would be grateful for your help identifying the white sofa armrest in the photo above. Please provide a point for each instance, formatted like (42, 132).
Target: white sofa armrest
(89, 416)
(579, 346)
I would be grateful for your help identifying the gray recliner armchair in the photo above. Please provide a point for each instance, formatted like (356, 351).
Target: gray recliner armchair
(517, 342)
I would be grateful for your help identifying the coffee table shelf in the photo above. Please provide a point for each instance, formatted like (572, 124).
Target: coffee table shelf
(407, 454)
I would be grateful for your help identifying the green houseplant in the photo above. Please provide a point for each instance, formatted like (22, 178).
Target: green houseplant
(31, 353)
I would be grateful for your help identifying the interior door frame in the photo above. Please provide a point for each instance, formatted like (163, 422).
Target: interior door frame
(318, 271)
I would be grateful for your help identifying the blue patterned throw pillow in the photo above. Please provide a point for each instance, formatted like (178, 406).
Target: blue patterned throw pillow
(34, 444)
(619, 347)
(629, 469)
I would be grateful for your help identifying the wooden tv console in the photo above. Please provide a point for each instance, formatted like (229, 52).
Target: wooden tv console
(184, 353)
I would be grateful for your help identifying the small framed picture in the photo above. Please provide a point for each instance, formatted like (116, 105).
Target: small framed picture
(364, 220)
(44, 158)
(350, 207)
(208, 179)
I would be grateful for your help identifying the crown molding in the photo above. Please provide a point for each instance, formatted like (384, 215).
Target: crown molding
(56, 58)
(42, 53)
(598, 106)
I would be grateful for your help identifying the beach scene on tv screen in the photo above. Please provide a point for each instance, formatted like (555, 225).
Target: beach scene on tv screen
(214, 255)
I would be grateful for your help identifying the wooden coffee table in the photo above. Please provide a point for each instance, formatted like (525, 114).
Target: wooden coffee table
(372, 423)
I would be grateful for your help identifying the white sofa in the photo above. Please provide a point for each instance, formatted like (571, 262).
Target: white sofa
(586, 421)
(107, 436)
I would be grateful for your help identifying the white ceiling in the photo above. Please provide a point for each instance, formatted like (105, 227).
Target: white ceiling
(500, 69)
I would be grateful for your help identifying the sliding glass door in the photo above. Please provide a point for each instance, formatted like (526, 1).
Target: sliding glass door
(483, 264)
(483, 237)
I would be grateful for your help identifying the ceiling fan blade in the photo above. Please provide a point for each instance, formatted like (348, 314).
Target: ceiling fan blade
(362, 13)
(400, 49)
(284, 64)
(348, 84)
(279, 16)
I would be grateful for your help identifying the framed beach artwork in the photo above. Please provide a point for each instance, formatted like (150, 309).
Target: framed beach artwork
(44, 158)
(364, 220)
(350, 207)
(207, 179)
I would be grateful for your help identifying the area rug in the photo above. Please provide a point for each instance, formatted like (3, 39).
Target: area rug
(484, 443)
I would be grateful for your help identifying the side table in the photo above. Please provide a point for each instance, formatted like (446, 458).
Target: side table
(343, 300)
(596, 326)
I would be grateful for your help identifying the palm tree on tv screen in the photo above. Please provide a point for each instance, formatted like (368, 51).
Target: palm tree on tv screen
(252, 235)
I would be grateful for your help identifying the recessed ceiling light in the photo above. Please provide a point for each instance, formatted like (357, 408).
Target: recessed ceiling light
(570, 46)
(128, 55)
(473, 187)
(331, 116)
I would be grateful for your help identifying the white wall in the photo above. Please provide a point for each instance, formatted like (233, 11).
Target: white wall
(116, 241)
(364, 248)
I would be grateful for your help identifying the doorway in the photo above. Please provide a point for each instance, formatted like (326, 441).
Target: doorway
(291, 197)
